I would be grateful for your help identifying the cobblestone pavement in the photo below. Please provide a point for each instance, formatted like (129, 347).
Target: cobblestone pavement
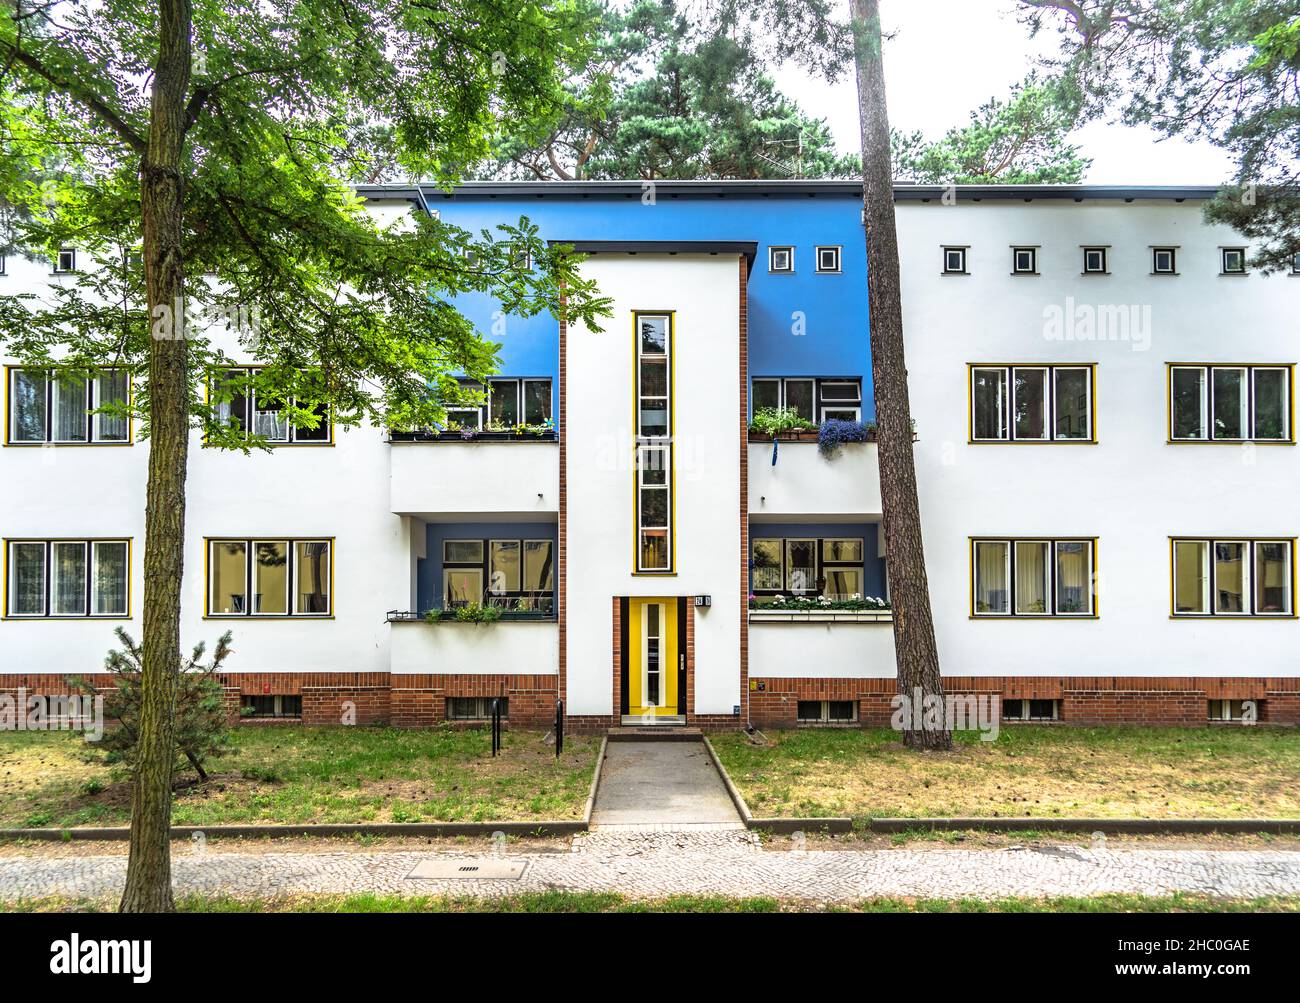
(720, 860)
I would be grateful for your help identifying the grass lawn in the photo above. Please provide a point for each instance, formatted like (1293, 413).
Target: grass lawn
(1039, 771)
(293, 774)
(606, 902)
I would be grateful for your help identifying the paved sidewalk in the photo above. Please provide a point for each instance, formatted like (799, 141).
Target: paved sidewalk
(661, 784)
(719, 861)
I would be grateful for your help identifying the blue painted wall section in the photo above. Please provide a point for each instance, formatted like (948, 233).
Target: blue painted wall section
(803, 323)
(428, 572)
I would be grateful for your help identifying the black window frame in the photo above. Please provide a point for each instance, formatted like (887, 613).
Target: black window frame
(821, 563)
(1008, 370)
(296, 437)
(1207, 401)
(47, 543)
(961, 252)
(772, 251)
(1026, 708)
(837, 251)
(59, 268)
(1016, 252)
(291, 571)
(1172, 251)
(91, 388)
(1105, 259)
(284, 706)
(509, 598)
(1223, 260)
(825, 715)
(820, 403)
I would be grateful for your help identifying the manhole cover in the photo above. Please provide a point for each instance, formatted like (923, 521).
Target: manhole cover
(487, 869)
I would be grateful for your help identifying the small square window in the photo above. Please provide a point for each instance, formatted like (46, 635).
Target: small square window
(828, 259)
(1094, 261)
(66, 261)
(1164, 260)
(1024, 261)
(1234, 261)
(954, 261)
(780, 259)
(1295, 264)
(2, 263)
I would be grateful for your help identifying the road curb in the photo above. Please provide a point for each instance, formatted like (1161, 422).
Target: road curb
(1132, 826)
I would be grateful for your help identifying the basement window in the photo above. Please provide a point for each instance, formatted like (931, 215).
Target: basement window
(475, 708)
(1241, 711)
(258, 706)
(827, 711)
(1031, 710)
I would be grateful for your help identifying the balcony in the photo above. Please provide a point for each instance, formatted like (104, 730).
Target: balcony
(804, 483)
(446, 477)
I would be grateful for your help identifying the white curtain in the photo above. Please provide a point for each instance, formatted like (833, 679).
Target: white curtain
(991, 593)
(1031, 578)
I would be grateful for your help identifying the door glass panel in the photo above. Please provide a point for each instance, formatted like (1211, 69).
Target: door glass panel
(652, 654)
(1191, 576)
(1230, 577)
(1071, 403)
(27, 579)
(990, 409)
(992, 590)
(767, 565)
(29, 405)
(1271, 404)
(271, 576)
(1030, 403)
(1273, 577)
(108, 593)
(1032, 567)
(229, 577)
(1188, 403)
(801, 564)
(312, 567)
(1073, 577)
(1229, 403)
(505, 568)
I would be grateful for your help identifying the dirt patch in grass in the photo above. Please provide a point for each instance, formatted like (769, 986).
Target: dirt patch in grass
(304, 775)
(1047, 772)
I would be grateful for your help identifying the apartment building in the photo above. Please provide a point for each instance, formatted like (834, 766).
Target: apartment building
(648, 559)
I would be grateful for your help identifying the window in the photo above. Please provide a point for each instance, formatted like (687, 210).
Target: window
(1047, 403)
(48, 407)
(828, 259)
(1164, 260)
(1295, 264)
(65, 260)
(1024, 261)
(260, 411)
(653, 488)
(68, 578)
(954, 261)
(829, 566)
(517, 574)
(1094, 261)
(1243, 711)
(1241, 577)
(1031, 710)
(1033, 577)
(513, 402)
(812, 399)
(284, 578)
(1230, 403)
(827, 711)
(1234, 260)
(2, 264)
(475, 708)
(780, 259)
(270, 705)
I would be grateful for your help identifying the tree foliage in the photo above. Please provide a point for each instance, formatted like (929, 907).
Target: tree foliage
(1023, 139)
(1227, 71)
(201, 730)
(667, 96)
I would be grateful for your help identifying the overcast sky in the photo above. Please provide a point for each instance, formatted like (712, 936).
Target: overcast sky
(950, 56)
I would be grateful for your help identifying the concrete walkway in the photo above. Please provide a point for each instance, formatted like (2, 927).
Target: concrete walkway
(656, 864)
(656, 784)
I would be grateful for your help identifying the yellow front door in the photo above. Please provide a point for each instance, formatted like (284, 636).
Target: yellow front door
(652, 658)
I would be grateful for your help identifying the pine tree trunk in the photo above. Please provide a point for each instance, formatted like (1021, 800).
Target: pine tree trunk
(148, 875)
(917, 654)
